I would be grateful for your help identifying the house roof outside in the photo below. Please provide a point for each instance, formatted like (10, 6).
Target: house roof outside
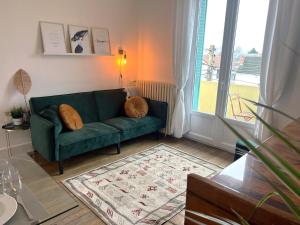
(250, 65)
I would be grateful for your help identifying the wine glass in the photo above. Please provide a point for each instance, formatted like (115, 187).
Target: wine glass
(11, 180)
(4, 176)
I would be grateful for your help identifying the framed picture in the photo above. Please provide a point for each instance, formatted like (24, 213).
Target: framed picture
(101, 41)
(80, 39)
(53, 36)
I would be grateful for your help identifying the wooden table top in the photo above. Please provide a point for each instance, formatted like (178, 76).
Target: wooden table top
(244, 176)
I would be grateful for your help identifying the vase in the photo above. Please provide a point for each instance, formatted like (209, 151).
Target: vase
(17, 121)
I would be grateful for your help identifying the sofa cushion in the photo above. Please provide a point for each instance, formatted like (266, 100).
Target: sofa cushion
(84, 103)
(136, 107)
(51, 113)
(70, 117)
(90, 137)
(134, 127)
(110, 103)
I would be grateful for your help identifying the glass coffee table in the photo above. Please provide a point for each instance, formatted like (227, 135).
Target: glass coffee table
(43, 197)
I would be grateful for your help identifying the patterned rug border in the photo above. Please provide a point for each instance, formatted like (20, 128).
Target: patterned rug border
(107, 220)
(154, 146)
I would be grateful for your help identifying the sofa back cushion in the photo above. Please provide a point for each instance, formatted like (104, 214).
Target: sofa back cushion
(110, 103)
(84, 103)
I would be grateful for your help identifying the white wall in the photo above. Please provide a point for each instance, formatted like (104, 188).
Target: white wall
(156, 21)
(21, 47)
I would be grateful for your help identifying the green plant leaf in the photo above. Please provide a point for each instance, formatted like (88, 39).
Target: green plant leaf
(269, 163)
(243, 221)
(265, 198)
(275, 132)
(261, 202)
(272, 109)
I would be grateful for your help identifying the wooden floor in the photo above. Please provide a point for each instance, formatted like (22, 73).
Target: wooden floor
(83, 215)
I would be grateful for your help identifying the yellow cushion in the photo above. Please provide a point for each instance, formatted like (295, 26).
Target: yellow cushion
(70, 117)
(136, 107)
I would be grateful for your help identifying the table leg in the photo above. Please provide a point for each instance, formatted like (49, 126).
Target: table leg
(8, 146)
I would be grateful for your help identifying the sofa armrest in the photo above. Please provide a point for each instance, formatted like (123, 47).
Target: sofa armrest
(158, 109)
(43, 137)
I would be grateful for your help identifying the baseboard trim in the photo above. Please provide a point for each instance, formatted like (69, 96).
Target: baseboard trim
(16, 146)
(228, 147)
(200, 138)
(209, 141)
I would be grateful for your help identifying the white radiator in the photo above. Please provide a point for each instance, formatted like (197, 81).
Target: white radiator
(162, 92)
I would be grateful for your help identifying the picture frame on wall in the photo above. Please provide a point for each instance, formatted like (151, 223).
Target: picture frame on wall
(80, 39)
(101, 41)
(53, 37)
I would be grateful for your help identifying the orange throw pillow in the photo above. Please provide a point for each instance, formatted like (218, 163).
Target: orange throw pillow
(70, 117)
(136, 107)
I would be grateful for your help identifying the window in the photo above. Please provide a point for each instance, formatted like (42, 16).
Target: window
(229, 50)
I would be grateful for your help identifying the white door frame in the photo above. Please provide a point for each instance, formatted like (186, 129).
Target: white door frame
(216, 136)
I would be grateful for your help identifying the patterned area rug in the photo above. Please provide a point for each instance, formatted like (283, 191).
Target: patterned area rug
(145, 188)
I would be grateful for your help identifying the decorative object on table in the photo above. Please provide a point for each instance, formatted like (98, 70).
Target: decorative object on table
(22, 82)
(53, 36)
(80, 40)
(101, 41)
(148, 187)
(70, 117)
(11, 179)
(8, 208)
(17, 115)
(10, 127)
(122, 61)
(136, 107)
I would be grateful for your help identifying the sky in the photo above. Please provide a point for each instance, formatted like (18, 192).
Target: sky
(250, 28)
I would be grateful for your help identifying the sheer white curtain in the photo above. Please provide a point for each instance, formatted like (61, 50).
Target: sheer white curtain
(281, 39)
(185, 36)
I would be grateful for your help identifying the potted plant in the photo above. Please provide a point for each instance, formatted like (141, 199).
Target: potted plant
(17, 115)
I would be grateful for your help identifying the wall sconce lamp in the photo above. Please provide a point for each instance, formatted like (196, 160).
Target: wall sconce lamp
(122, 62)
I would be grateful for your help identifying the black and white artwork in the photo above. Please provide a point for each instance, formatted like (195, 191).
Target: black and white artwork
(101, 41)
(80, 40)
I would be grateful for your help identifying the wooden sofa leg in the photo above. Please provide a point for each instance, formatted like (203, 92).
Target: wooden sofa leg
(61, 167)
(118, 148)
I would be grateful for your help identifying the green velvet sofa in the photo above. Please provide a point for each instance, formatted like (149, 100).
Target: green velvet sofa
(104, 121)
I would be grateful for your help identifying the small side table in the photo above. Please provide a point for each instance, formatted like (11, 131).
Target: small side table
(9, 128)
